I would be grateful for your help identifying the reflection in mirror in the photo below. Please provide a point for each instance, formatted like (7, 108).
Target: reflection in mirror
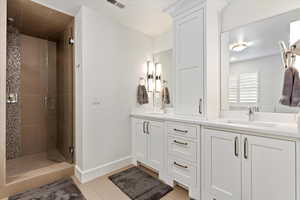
(252, 65)
(164, 67)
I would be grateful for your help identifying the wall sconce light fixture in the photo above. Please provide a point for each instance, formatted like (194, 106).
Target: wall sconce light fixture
(154, 76)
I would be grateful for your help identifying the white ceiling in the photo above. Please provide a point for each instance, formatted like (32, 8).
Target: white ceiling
(146, 16)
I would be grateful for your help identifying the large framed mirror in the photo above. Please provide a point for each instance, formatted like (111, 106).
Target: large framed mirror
(165, 60)
(252, 69)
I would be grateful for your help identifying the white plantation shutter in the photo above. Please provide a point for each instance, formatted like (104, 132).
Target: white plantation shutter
(248, 88)
(243, 89)
(233, 90)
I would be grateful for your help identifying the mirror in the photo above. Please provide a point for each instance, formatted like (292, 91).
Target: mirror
(252, 68)
(164, 60)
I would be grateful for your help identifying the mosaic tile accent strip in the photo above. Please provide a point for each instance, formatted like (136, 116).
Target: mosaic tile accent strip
(13, 85)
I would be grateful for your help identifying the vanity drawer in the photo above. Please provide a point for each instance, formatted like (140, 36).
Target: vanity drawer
(182, 171)
(181, 129)
(183, 148)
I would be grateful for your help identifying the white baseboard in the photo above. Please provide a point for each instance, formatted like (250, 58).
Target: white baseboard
(91, 174)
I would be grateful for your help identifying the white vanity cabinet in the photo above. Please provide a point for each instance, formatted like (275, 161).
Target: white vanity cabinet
(172, 148)
(189, 62)
(222, 165)
(242, 167)
(148, 142)
(269, 169)
(183, 155)
(196, 58)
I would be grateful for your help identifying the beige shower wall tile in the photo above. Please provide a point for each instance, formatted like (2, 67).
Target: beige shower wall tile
(30, 80)
(67, 108)
(31, 49)
(65, 75)
(38, 76)
(52, 134)
(33, 139)
(32, 109)
(52, 69)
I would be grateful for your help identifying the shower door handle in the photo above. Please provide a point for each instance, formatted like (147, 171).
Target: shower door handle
(46, 101)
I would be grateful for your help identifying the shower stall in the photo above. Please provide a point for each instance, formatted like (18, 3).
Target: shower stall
(39, 87)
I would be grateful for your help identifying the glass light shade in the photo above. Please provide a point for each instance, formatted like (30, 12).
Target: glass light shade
(158, 74)
(151, 67)
(238, 47)
(158, 85)
(150, 76)
(158, 69)
(150, 85)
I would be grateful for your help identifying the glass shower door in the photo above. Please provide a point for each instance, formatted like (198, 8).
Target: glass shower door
(64, 97)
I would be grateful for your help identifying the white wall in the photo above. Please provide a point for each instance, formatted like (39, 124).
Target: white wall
(112, 60)
(241, 12)
(163, 42)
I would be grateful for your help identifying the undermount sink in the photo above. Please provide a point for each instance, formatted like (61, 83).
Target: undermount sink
(251, 123)
(155, 113)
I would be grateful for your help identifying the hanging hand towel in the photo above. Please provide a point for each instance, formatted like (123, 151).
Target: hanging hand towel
(165, 95)
(288, 84)
(296, 90)
(142, 95)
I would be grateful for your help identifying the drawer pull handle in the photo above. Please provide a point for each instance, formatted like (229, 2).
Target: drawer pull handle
(246, 148)
(144, 127)
(182, 143)
(179, 165)
(181, 131)
(200, 106)
(236, 146)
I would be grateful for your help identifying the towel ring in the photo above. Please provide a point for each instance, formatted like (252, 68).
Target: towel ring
(142, 81)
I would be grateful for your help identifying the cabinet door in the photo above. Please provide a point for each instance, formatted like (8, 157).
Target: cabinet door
(223, 165)
(189, 58)
(140, 141)
(155, 145)
(269, 169)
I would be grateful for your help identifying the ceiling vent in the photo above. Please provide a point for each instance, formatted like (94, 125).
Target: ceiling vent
(116, 3)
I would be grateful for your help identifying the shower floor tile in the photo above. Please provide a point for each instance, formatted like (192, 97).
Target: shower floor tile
(22, 167)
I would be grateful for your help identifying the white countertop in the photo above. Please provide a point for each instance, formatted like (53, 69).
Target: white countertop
(281, 130)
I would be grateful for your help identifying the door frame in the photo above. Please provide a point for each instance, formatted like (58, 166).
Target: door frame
(3, 67)
(3, 20)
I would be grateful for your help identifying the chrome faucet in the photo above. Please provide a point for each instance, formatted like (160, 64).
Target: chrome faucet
(251, 112)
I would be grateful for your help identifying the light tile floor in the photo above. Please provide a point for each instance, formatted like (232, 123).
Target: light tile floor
(103, 189)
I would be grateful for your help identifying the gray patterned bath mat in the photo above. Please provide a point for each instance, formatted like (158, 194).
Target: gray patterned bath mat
(139, 185)
(61, 190)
